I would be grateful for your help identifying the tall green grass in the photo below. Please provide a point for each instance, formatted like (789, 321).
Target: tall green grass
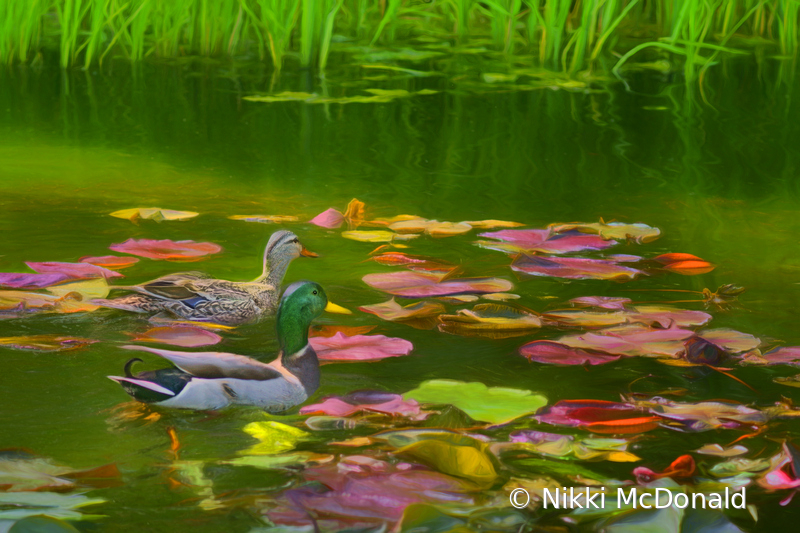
(564, 35)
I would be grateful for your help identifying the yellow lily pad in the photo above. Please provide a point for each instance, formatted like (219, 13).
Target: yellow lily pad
(273, 437)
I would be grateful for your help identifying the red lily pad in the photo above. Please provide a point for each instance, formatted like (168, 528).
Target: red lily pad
(545, 241)
(370, 401)
(114, 262)
(187, 336)
(74, 270)
(553, 353)
(599, 416)
(340, 347)
(422, 284)
(574, 268)
(17, 280)
(167, 249)
(330, 218)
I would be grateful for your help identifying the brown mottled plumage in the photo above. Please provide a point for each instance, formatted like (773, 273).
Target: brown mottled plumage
(197, 296)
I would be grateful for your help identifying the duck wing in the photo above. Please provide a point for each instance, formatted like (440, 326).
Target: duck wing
(215, 365)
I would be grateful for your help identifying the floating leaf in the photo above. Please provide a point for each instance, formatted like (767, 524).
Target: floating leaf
(370, 401)
(490, 320)
(662, 316)
(74, 270)
(718, 451)
(421, 314)
(422, 284)
(631, 341)
(690, 268)
(703, 416)
(573, 268)
(273, 437)
(565, 445)
(489, 224)
(413, 262)
(666, 259)
(14, 280)
(330, 218)
(167, 249)
(603, 302)
(730, 340)
(791, 381)
(266, 219)
(340, 347)
(640, 233)
(500, 296)
(114, 262)
(545, 241)
(45, 343)
(581, 413)
(496, 405)
(153, 213)
(373, 235)
(187, 336)
(553, 353)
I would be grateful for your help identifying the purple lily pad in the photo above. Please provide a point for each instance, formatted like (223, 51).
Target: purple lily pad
(539, 240)
(574, 268)
(554, 353)
(16, 280)
(74, 270)
(370, 401)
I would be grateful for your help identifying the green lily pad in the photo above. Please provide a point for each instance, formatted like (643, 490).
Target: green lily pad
(495, 405)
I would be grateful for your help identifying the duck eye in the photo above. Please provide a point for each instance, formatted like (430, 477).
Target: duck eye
(295, 241)
(314, 292)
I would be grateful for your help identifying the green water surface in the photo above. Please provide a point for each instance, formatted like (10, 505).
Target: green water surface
(720, 179)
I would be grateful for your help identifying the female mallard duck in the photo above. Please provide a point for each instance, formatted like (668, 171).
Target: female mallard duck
(197, 296)
(213, 380)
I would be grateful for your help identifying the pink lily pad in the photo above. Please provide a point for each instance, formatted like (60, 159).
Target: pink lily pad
(422, 284)
(370, 401)
(114, 262)
(553, 353)
(74, 270)
(330, 218)
(730, 340)
(632, 340)
(574, 268)
(544, 241)
(187, 336)
(341, 347)
(786, 355)
(167, 249)
(17, 280)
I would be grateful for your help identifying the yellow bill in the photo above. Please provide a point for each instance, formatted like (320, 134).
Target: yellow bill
(333, 308)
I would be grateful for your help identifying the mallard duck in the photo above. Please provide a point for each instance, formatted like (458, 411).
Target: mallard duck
(197, 296)
(213, 380)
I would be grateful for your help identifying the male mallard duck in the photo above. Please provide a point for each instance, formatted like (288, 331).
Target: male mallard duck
(196, 296)
(213, 380)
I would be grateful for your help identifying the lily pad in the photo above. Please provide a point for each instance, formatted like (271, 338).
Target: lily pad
(74, 270)
(273, 437)
(495, 321)
(330, 218)
(153, 213)
(341, 347)
(167, 249)
(423, 284)
(188, 336)
(114, 262)
(420, 314)
(574, 268)
(496, 404)
(266, 219)
(640, 233)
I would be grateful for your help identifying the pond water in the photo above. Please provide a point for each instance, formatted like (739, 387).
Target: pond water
(719, 179)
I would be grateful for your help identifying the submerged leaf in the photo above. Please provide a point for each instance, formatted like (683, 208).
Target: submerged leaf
(369, 401)
(470, 462)
(273, 437)
(574, 268)
(167, 249)
(45, 343)
(187, 336)
(496, 404)
(340, 347)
